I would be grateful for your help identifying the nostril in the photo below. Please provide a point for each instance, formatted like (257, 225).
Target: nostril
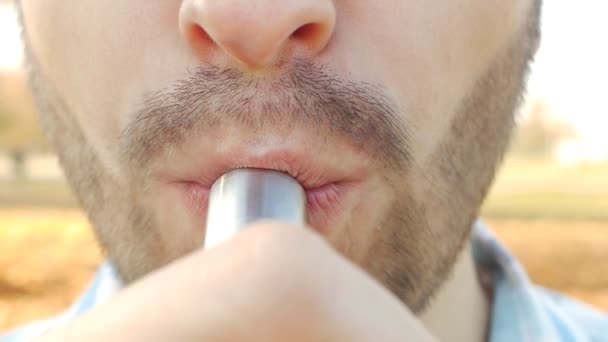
(198, 33)
(308, 32)
(199, 38)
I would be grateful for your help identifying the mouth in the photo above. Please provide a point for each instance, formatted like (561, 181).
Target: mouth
(331, 187)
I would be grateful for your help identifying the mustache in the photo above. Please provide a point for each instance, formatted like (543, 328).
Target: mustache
(305, 96)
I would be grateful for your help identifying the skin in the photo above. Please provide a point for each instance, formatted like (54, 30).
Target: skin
(216, 306)
(419, 95)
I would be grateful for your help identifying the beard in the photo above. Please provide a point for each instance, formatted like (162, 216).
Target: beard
(417, 241)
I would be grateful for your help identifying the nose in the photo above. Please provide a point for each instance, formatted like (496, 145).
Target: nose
(257, 32)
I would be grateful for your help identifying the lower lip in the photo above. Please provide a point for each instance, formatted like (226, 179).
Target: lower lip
(324, 204)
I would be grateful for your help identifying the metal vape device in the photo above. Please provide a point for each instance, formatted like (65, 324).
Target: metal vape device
(243, 196)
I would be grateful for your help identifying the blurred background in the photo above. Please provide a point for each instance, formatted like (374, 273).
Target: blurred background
(549, 204)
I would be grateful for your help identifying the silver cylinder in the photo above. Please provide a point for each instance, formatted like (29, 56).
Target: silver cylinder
(243, 196)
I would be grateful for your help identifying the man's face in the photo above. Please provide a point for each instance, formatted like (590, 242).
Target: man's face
(392, 114)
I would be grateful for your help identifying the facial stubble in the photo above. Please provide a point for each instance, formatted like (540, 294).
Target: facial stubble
(419, 239)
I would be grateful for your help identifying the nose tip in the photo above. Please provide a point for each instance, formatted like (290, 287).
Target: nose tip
(256, 33)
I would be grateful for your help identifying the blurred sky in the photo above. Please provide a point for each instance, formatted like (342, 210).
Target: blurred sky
(571, 68)
(10, 45)
(570, 73)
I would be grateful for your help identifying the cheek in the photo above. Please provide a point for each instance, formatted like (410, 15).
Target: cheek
(464, 40)
(97, 55)
(428, 54)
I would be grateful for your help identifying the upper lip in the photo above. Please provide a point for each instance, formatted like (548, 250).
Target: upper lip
(310, 171)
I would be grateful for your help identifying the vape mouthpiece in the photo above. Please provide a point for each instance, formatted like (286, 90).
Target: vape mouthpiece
(243, 196)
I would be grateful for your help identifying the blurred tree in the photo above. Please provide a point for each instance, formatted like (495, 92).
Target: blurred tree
(539, 131)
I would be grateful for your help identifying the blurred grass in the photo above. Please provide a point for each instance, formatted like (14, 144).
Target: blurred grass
(36, 194)
(567, 256)
(536, 189)
(47, 256)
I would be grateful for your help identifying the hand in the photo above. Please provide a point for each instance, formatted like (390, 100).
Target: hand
(272, 282)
